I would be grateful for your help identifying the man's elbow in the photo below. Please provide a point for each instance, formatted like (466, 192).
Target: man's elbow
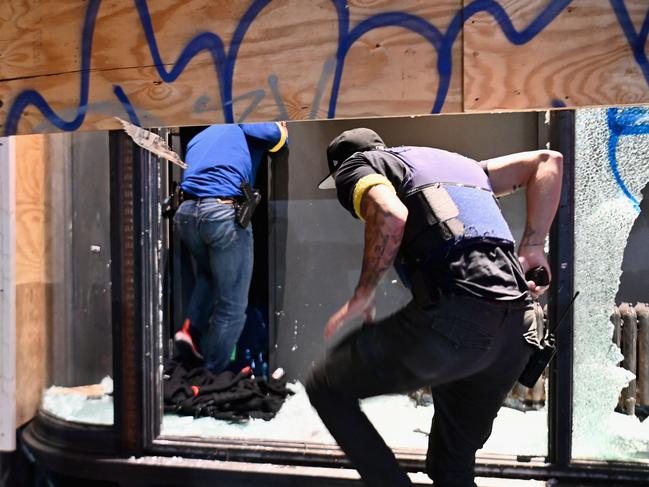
(549, 164)
(552, 157)
(396, 220)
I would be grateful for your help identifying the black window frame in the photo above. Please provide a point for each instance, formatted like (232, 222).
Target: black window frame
(138, 185)
(558, 463)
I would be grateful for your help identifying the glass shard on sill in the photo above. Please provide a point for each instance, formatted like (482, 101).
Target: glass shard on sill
(90, 404)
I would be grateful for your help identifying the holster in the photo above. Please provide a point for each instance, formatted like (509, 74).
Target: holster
(432, 226)
(245, 208)
(171, 202)
(424, 291)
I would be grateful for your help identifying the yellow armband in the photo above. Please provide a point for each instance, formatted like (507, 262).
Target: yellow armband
(282, 138)
(365, 183)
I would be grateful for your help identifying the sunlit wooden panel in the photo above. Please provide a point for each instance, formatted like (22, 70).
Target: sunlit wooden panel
(540, 53)
(181, 63)
(33, 276)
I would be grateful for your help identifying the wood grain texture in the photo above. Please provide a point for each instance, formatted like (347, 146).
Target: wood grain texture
(391, 64)
(39, 37)
(33, 276)
(33, 358)
(581, 58)
(209, 61)
(283, 68)
(32, 211)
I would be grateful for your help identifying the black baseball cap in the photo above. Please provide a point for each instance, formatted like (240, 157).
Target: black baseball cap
(346, 144)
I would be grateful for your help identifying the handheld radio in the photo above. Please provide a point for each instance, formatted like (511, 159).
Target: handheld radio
(543, 355)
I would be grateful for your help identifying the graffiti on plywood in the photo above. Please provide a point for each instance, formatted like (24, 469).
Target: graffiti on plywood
(331, 84)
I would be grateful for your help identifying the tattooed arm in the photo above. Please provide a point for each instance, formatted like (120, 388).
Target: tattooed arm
(540, 172)
(385, 218)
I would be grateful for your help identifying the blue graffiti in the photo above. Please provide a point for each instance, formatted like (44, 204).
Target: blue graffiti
(33, 97)
(443, 43)
(636, 40)
(207, 41)
(624, 122)
(273, 82)
(123, 98)
(224, 61)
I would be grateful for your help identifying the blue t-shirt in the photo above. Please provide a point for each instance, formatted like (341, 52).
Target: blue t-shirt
(221, 157)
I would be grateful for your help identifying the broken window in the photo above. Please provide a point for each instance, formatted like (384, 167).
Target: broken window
(611, 273)
(314, 258)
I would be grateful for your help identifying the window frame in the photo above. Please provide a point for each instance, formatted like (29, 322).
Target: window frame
(138, 344)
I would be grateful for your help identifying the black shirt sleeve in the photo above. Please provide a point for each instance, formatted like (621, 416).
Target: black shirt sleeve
(363, 164)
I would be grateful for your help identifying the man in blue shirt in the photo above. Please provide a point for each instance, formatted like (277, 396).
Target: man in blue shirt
(221, 159)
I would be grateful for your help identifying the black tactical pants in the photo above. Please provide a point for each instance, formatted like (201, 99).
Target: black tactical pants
(470, 351)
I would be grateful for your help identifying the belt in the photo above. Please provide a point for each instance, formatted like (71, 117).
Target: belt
(227, 200)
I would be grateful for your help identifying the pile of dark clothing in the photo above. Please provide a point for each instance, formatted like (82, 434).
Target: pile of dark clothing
(235, 397)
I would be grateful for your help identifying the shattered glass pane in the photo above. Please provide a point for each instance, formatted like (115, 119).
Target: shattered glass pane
(611, 172)
(92, 404)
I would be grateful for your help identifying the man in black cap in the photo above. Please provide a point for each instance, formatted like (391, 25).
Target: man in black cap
(469, 330)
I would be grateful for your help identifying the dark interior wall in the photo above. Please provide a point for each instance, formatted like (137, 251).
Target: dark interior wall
(91, 256)
(635, 265)
(316, 246)
(82, 323)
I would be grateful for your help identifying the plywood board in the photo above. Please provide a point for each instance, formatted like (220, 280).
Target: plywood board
(34, 302)
(73, 65)
(32, 214)
(539, 53)
(181, 63)
(33, 277)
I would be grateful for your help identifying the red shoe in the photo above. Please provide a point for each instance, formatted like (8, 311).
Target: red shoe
(185, 345)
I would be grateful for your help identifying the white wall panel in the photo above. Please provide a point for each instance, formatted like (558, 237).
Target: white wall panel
(7, 297)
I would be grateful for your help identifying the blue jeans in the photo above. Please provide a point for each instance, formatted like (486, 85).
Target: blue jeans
(224, 257)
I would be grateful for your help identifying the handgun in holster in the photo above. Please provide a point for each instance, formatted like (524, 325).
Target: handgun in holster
(245, 208)
(543, 355)
(171, 202)
(424, 292)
